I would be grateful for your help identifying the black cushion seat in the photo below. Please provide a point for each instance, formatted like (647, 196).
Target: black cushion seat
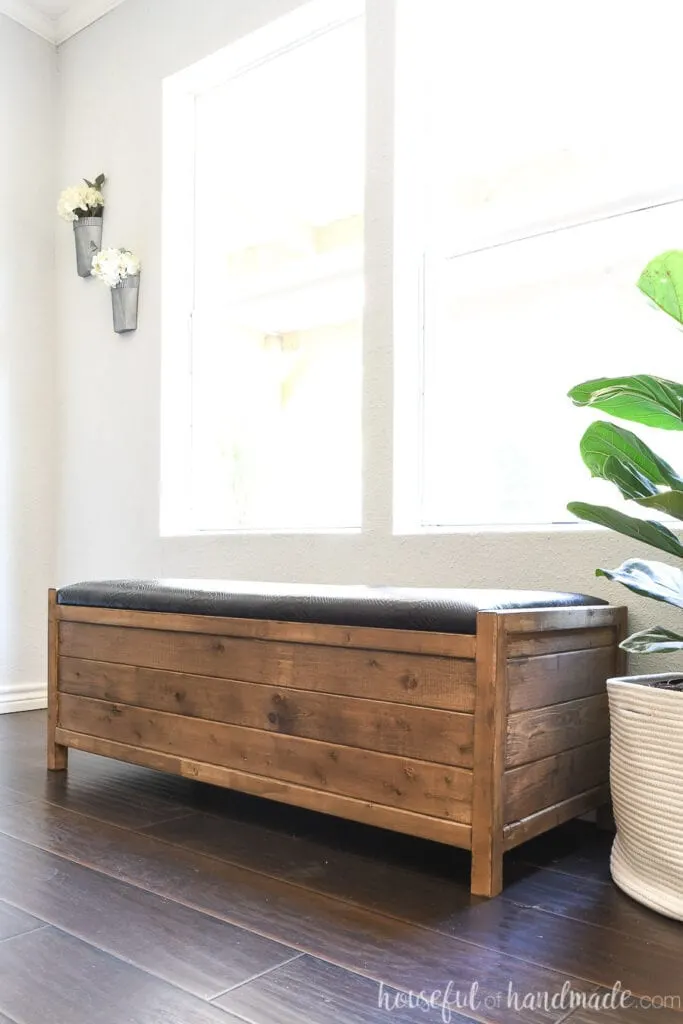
(431, 609)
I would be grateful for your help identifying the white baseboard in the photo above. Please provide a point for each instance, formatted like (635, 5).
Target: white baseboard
(22, 697)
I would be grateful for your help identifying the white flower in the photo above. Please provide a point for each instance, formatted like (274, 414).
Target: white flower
(94, 199)
(85, 198)
(114, 265)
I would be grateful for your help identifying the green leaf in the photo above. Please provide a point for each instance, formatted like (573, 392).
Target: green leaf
(99, 181)
(644, 530)
(662, 281)
(653, 641)
(652, 401)
(630, 482)
(657, 580)
(669, 502)
(605, 441)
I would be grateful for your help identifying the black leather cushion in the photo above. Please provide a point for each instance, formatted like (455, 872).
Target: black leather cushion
(433, 609)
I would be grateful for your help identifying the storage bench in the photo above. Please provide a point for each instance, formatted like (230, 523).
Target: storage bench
(471, 717)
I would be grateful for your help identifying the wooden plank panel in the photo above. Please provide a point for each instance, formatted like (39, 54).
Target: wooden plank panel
(439, 829)
(441, 791)
(489, 757)
(556, 678)
(424, 733)
(541, 620)
(541, 784)
(532, 735)
(520, 646)
(550, 817)
(404, 678)
(415, 641)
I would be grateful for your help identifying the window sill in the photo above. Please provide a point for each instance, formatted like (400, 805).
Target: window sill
(340, 531)
(477, 528)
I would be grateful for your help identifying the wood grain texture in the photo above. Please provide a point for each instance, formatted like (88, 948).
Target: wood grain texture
(399, 875)
(548, 679)
(309, 989)
(395, 909)
(387, 736)
(402, 955)
(437, 790)
(424, 733)
(604, 1009)
(542, 620)
(452, 645)
(489, 756)
(521, 646)
(188, 949)
(550, 817)
(79, 984)
(120, 793)
(393, 818)
(532, 735)
(547, 782)
(596, 902)
(14, 921)
(404, 678)
(419, 886)
(57, 755)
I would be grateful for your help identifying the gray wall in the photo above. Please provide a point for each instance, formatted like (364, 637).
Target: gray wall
(27, 358)
(109, 388)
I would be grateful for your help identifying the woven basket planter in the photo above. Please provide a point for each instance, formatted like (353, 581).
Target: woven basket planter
(646, 774)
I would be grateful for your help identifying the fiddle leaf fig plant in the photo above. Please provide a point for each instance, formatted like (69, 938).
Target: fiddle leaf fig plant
(617, 455)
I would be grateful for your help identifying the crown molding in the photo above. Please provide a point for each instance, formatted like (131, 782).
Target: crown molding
(57, 30)
(80, 15)
(27, 16)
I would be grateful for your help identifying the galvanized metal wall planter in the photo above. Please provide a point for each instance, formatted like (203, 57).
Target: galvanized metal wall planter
(88, 236)
(83, 205)
(124, 304)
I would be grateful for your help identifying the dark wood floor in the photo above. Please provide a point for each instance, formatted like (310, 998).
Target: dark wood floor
(131, 897)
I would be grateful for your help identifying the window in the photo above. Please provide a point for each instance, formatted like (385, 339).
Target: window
(523, 165)
(264, 180)
(538, 170)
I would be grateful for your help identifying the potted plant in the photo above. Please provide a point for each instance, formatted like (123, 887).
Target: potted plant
(83, 205)
(119, 269)
(646, 712)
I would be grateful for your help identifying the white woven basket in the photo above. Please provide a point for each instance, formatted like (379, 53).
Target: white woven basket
(646, 773)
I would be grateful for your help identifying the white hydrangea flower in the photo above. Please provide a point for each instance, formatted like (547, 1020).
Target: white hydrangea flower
(111, 266)
(94, 199)
(85, 198)
(70, 200)
(129, 263)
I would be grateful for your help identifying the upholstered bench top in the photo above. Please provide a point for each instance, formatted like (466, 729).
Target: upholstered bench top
(432, 609)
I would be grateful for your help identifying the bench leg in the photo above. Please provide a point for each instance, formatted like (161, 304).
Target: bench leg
(490, 712)
(57, 755)
(487, 872)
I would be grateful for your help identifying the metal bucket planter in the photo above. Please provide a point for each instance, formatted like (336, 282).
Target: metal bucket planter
(124, 304)
(646, 769)
(88, 236)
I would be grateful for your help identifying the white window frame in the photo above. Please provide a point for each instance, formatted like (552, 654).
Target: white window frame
(414, 257)
(180, 92)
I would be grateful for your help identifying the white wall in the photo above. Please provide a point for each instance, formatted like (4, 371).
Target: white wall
(27, 359)
(109, 406)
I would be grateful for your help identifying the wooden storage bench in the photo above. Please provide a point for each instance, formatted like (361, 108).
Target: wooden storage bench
(474, 718)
